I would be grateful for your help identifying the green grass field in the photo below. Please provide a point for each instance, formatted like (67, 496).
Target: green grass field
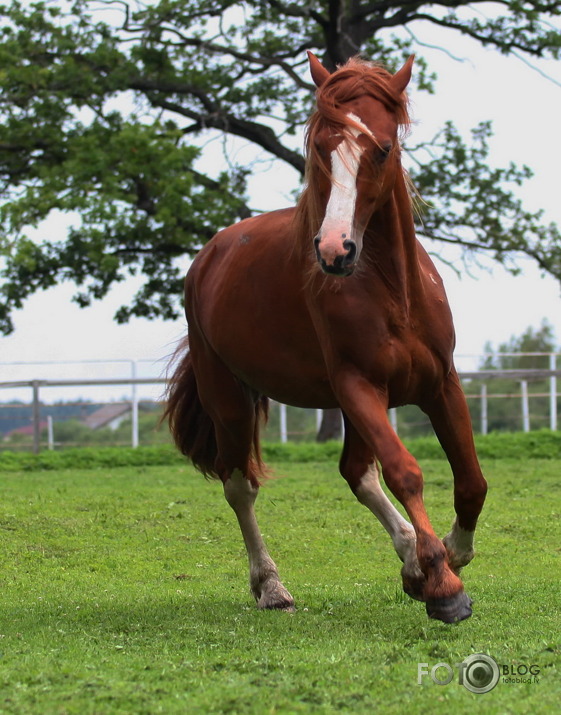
(124, 590)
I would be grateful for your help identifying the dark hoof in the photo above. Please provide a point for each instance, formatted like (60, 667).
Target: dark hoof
(450, 610)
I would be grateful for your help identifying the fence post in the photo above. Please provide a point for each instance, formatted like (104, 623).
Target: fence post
(36, 412)
(319, 418)
(552, 393)
(484, 419)
(50, 433)
(283, 427)
(134, 406)
(393, 418)
(525, 406)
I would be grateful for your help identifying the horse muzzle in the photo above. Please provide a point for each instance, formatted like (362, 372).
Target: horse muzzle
(337, 257)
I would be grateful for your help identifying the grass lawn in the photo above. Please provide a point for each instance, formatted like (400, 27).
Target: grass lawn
(124, 590)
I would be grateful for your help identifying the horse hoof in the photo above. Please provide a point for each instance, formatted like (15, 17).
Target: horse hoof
(278, 599)
(276, 605)
(450, 610)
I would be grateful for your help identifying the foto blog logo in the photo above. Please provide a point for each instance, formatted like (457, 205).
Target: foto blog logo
(478, 673)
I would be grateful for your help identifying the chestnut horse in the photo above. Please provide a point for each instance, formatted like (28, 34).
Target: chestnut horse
(333, 303)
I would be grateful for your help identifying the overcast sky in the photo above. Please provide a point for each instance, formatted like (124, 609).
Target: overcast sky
(487, 305)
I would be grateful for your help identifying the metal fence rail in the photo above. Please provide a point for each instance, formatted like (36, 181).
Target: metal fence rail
(517, 375)
(36, 385)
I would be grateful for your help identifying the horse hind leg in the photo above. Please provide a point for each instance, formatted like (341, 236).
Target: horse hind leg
(235, 413)
(452, 423)
(358, 467)
(264, 581)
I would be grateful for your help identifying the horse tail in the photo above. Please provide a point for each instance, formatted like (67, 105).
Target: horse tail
(192, 428)
(190, 425)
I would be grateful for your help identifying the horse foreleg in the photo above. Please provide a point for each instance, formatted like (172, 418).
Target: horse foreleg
(358, 467)
(366, 408)
(264, 580)
(451, 420)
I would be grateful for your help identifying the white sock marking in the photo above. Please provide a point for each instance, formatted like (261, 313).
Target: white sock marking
(371, 494)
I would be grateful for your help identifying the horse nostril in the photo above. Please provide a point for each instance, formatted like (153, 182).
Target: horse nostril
(350, 246)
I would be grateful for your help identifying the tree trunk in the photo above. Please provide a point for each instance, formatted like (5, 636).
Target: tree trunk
(330, 426)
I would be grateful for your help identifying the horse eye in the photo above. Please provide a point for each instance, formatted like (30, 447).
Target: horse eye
(384, 150)
(380, 152)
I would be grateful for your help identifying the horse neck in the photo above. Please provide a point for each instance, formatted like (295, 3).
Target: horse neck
(392, 247)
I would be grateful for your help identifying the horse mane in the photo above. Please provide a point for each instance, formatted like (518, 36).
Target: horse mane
(356, 78)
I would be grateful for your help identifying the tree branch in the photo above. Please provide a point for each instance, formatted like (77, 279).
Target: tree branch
(294, 10)
(482, 247)
(150, 85)
(380, 8)
(263, 62)
(260, 134)
(480, 37)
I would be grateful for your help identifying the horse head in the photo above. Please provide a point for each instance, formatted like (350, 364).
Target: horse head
(353, 154)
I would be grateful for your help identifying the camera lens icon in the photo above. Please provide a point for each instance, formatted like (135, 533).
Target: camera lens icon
(479, 673)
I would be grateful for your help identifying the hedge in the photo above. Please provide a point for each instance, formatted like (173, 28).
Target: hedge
(542, 444)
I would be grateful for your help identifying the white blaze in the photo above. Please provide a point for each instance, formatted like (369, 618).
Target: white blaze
(345, 160)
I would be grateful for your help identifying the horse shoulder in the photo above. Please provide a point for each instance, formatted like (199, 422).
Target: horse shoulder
(235, 249)
(252, 232)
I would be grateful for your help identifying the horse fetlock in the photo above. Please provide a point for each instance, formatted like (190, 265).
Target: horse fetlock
(411, 575)
(459, 548)
(405, 544)
(457, 560)
(413, 580)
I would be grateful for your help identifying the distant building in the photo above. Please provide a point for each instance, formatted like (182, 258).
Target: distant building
(26, 431)
(111, 416)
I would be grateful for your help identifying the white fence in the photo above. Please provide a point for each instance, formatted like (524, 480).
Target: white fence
(36, 388)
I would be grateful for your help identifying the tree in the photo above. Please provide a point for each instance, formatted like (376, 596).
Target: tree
(104, 105)
(513, 355)
(504, 412)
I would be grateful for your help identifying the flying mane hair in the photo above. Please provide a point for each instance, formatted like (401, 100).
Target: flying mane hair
(356, 78)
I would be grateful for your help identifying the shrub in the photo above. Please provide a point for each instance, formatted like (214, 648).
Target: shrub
(543, 444)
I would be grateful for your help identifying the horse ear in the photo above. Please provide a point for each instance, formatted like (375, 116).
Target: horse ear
(401, 78)
(319, 73)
